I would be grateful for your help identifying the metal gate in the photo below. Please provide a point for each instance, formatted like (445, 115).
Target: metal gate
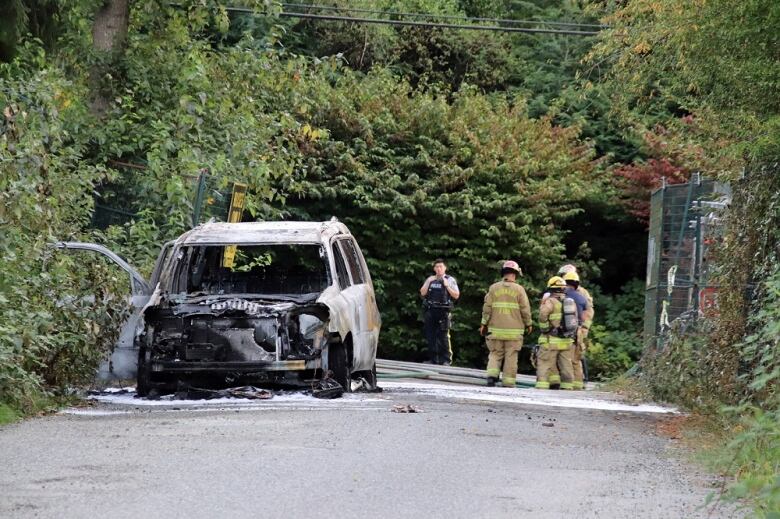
(684, 226)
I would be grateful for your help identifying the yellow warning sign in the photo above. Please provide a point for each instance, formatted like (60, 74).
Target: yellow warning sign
(234, 215)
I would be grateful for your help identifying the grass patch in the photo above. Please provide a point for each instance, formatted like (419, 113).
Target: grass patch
(629, 387)
(742, 448)
(750, 457)
(35, 403)
(7, 414)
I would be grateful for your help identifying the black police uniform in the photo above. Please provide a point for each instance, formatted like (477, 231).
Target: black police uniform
(437, 320)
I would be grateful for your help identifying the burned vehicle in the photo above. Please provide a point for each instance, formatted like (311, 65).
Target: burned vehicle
(256, 303)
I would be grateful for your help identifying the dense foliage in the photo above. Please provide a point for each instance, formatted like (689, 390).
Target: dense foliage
(747, 335)
(59, 313)
(405, 146)
(615, 337)
(474, 180)
(715, 66)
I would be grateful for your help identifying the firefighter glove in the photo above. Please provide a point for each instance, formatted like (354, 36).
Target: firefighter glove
(482, 330)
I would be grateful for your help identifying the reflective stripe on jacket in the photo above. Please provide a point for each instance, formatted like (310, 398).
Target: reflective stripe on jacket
(587, 316)
(548, 342)
(506, 311)
(550, 315)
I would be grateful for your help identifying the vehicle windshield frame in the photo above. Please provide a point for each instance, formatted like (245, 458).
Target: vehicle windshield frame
(177, 277)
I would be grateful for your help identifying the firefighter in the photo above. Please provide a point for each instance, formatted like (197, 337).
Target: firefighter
(586, 319)
(506, 315)
(439, 293)
(569, 268)
(554, 377)
(556, 342)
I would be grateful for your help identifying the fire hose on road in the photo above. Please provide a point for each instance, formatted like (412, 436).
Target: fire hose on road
(391, 369)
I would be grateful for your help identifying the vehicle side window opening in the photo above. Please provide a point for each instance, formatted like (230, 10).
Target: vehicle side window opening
(256, 269)
(197, 268)
(181, 272)
(159, 266)
(353, 260)
(341, 267)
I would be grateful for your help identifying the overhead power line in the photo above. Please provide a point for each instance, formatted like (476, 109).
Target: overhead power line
(412, 23)
(501, 21)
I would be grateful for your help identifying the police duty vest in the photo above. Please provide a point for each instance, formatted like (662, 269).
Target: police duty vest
(438, 297)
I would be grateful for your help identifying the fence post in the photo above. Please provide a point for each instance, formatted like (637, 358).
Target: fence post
(698, 251)
(201, 190)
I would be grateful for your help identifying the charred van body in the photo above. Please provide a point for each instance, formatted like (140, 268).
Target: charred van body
(254, 303)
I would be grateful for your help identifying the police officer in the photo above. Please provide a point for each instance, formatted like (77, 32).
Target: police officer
(506, 316)
(439, 293)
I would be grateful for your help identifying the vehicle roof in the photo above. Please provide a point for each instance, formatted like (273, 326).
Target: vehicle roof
(221, 233)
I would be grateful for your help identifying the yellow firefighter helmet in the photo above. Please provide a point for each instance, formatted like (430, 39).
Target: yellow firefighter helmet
(556, 283)
(571, 276)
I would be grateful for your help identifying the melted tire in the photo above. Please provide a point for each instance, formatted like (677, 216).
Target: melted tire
(338, 365)
(143, 380)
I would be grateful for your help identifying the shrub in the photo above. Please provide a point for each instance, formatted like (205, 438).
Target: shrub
(616, 341)
(59, 313)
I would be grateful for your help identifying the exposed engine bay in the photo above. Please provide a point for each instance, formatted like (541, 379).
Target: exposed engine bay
(238, 314)
(233, 329)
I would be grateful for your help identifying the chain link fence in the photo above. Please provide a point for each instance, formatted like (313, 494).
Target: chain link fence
(210, 199)
(684, 227)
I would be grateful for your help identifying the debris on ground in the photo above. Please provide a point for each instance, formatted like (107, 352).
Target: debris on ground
(408, 408)
(548, 424)
(109, 391)
(362, 385)
(249, 392)
(327, 388)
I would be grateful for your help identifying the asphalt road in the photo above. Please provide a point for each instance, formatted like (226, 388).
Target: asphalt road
(469, 453)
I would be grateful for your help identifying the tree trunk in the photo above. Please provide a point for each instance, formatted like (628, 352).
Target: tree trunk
(109, 34)
(9, 28)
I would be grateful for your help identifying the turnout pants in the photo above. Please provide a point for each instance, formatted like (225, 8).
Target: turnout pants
(576, 361)
(503, 359)
(555, 352)
(554, 376)
(437, 334)
(579, 350)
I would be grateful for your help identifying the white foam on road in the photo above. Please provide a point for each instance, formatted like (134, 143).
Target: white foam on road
(86, 411)
(579, 400)
(290, 400)
(286, 399)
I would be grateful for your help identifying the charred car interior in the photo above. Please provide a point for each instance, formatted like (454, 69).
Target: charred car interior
(274, 270)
